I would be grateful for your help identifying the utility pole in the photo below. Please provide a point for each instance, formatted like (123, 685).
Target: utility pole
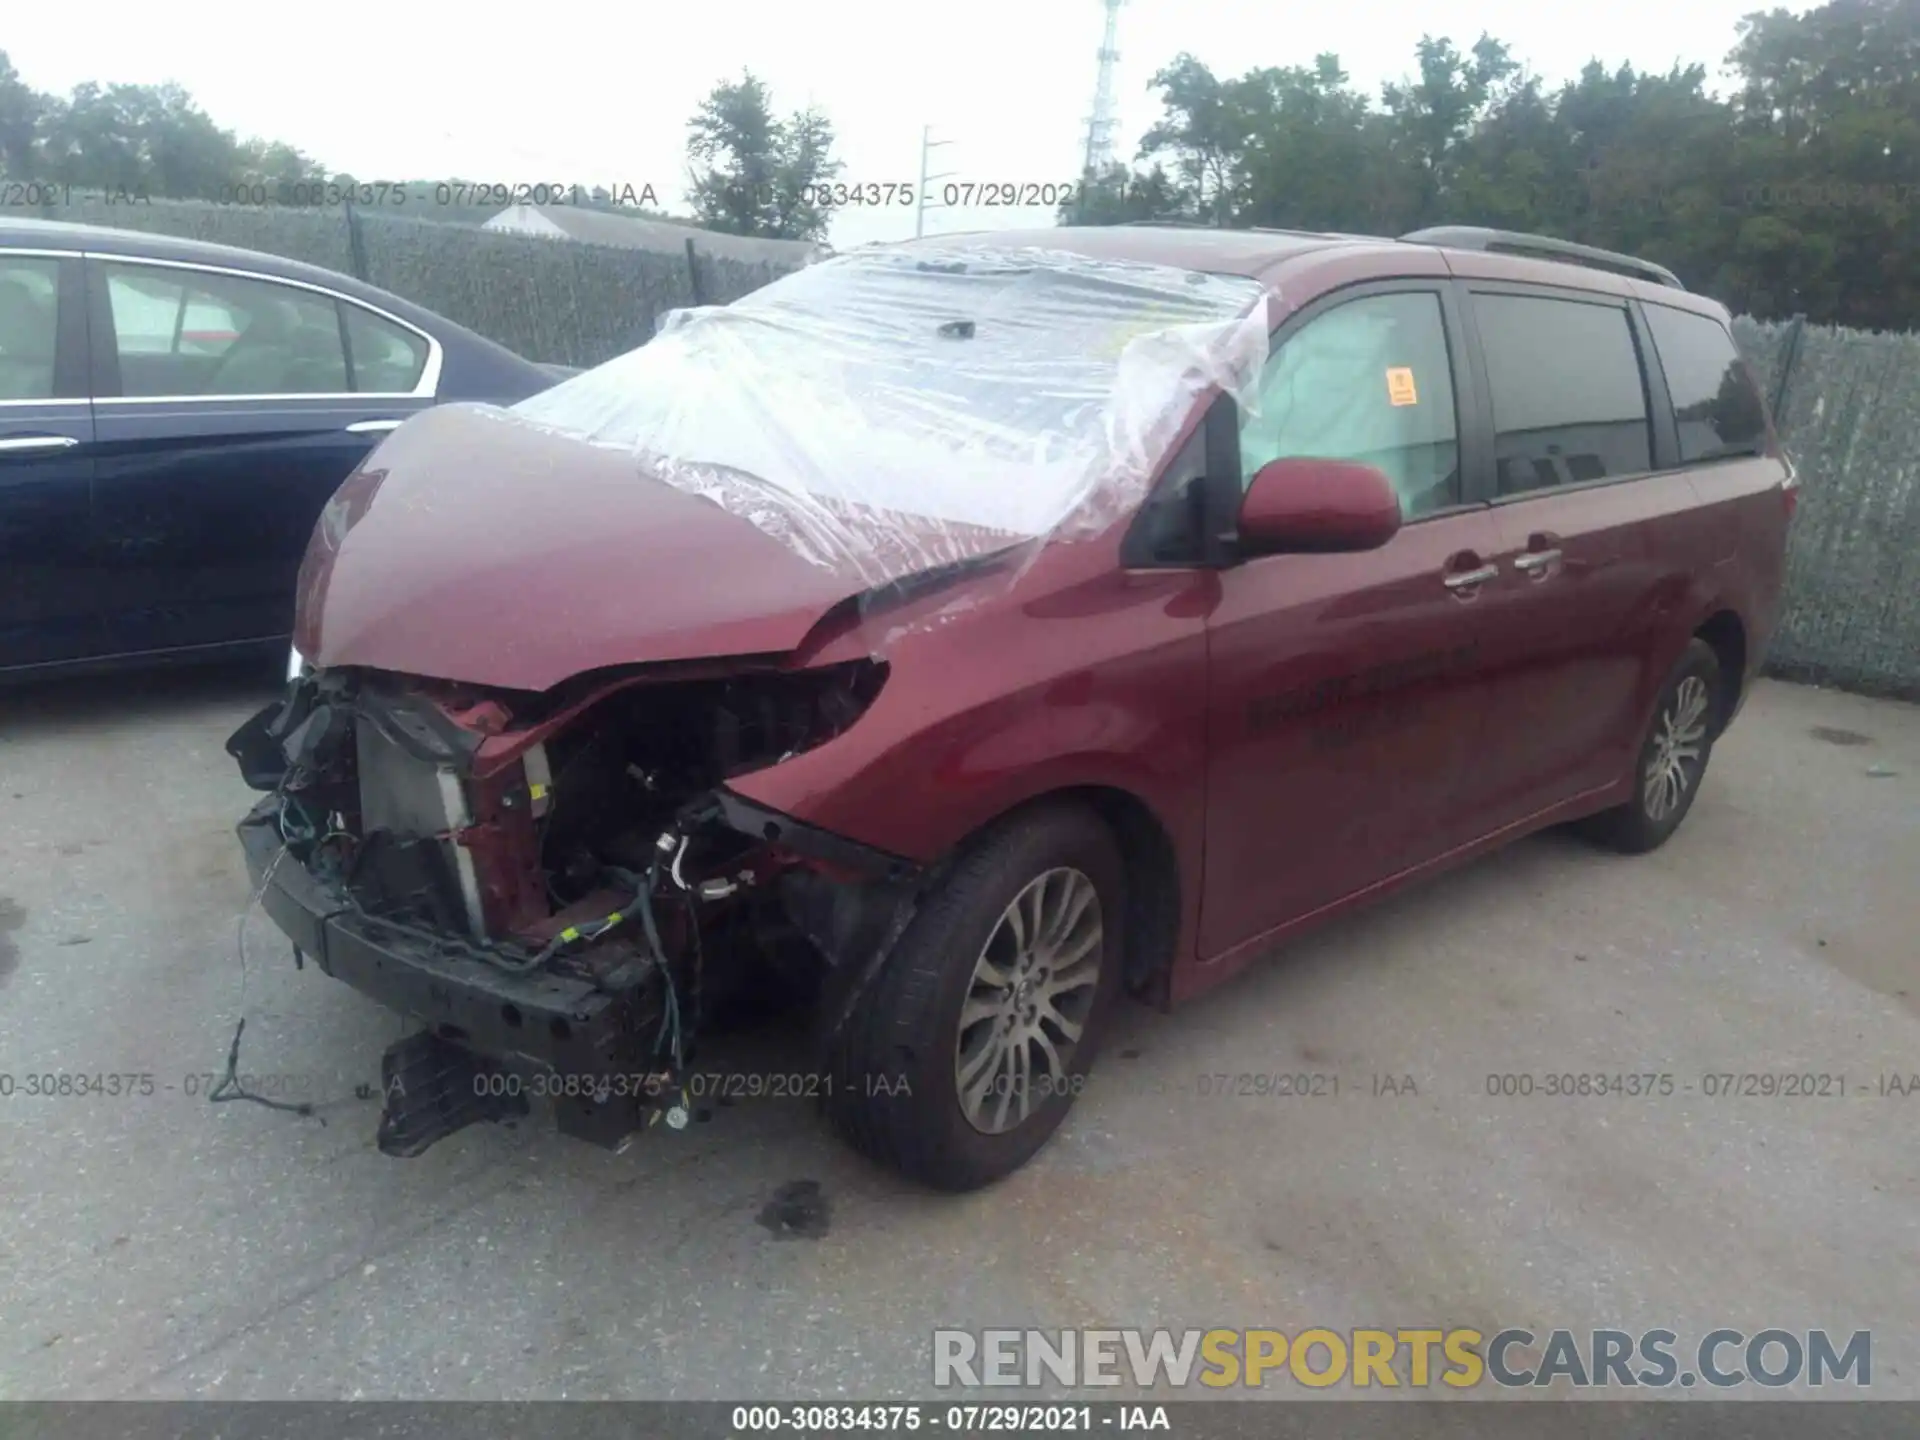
(927, 144)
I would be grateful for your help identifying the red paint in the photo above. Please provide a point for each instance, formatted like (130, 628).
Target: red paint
(1310, 730)
(476, 548)
(1308, 505)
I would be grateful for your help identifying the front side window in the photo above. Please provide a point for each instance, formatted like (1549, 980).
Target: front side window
(1714, 399)
(1568, 401)
(1369, 381)
(190, 333)
(29, 289)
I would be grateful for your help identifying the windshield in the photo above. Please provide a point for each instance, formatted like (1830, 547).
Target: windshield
(912, 406)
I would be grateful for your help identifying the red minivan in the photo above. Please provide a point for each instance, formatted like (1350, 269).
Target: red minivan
(964, 633)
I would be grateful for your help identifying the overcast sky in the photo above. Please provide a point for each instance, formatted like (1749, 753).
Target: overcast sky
(565, 91)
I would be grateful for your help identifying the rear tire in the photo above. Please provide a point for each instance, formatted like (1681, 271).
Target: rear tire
(968, 1049)
(1672, 759)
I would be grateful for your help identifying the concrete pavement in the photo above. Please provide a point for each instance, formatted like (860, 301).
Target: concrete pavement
(158, 1246)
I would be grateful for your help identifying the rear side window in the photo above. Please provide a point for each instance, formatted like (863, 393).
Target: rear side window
(1569, 404)
(1714, 399)
(29, 289)
(387, 358)
(191, 333)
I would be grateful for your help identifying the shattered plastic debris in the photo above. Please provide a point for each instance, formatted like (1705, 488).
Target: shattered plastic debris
(899, 409)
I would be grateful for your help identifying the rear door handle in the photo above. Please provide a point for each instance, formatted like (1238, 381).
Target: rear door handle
(1531, 562)
(373, 427)
(16, 443)
(1468, 579)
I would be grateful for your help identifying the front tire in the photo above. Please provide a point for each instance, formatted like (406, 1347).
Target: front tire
(967, 1051)
(1673, 757)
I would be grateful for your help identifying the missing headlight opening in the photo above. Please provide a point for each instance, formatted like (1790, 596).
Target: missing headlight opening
(558, 885)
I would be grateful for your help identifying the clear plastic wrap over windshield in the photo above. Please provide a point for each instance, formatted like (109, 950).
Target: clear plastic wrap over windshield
(898, 409)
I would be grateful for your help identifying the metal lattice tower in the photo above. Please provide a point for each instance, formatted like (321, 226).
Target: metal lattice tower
(1100, 124)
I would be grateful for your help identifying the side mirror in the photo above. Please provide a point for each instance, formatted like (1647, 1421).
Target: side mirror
(1306, 505)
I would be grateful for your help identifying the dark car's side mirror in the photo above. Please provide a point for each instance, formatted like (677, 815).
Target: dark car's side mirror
(1307, 505)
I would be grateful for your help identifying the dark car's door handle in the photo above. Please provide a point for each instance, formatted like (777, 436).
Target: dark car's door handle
(17, 443)
(373, 427)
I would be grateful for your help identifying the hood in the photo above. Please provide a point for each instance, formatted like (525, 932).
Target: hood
(474, 547)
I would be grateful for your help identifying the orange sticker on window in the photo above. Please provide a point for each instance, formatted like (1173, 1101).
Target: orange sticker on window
(1400, 390)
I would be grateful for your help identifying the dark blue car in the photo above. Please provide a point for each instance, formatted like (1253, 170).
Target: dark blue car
(173, 416)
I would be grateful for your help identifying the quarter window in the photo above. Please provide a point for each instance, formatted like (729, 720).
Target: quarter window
(1368, 381)
(29, 290)
(1714, 399)
(1568, 400)
(387, 359)
(189, 332)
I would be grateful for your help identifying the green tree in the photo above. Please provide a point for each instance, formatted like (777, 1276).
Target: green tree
(137, 137)
(1800, 192)
(752, 174)
(273, 163)
(1119, 196)
(1827, 125)
(20, 112)
(1316, 156)
(1519, 169)
(151, 139)
(1204, 132)
(1435, 114)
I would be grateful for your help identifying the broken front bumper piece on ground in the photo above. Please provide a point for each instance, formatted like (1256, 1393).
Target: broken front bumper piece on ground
(560, 892)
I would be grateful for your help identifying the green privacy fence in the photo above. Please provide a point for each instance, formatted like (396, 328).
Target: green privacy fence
(1851, 422)
(1851, 413)
(552, 300)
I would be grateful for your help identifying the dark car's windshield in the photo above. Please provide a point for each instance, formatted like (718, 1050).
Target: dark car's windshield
(972, 388)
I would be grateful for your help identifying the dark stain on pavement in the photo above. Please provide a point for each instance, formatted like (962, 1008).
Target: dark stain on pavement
(798, 1211)
(12, 917)
(1833, 735)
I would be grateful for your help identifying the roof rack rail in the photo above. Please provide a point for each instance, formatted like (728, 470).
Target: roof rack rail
(1543, 247)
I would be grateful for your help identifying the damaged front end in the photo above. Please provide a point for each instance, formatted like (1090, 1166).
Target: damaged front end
(560, 888)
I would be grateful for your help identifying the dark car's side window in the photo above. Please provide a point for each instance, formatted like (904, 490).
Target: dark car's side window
(1369, 380)
(1569, 401)
(200, 333)
(29, 291)
(1714, 400)
(387, 358)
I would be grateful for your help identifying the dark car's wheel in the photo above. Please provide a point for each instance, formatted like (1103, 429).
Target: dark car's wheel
(1673, 757)
(970, 1046)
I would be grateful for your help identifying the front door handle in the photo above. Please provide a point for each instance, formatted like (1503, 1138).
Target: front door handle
(1469, 579)
(373, 427)
(14, 444)
(1532, 562)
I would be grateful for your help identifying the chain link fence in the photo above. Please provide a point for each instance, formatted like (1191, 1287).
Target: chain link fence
(557, 301)
(1848, 406)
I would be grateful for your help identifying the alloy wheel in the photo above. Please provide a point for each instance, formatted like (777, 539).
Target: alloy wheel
(1032, 990)
(1679, 740)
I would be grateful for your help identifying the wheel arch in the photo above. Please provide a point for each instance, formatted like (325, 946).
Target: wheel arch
(1725, 633)
(1156, 908)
